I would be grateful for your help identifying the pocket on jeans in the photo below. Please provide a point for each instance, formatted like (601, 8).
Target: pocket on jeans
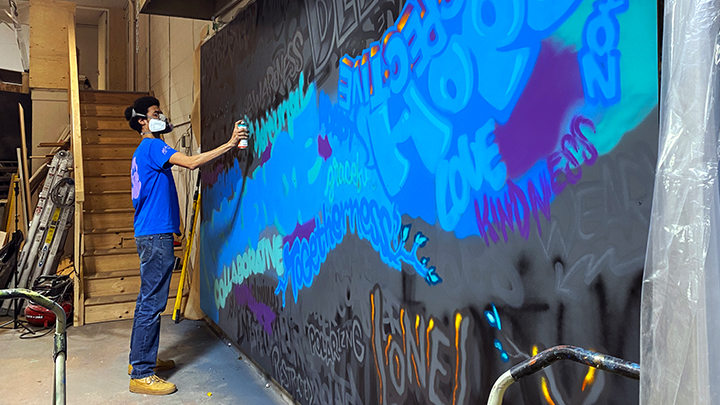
(145, 248)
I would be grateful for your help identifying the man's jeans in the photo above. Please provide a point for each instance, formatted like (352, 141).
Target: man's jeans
(157, 258)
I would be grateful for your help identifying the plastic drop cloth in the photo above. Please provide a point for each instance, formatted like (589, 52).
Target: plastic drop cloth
(680, 321)
(14, 21)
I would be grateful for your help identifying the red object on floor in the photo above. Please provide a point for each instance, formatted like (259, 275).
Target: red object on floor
(41, 316)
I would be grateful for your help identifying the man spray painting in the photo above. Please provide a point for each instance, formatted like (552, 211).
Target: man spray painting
(157, 217)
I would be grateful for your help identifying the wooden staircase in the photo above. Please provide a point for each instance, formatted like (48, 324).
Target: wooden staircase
(111, 267)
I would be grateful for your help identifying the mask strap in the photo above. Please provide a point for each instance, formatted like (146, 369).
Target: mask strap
(135, 114)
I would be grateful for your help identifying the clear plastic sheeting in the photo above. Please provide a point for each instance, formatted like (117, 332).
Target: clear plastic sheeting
(680, 341)
(14, 35)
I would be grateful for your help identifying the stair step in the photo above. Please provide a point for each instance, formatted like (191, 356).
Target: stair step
(99, 264)
(120, 251)
(108, 290)
(104, 167)
(110, 230)
(102, 183)
(108, 219)
(123, 310)
(109, 158)
(102, 110)
(113, 274)
(104, 124)
(95, 202)
(108, 192)
(127, 297)
(106, 175)
(99, 137)
(109, 210)
(103, 261)
(104, 151)
(125, 98)
(110, 240)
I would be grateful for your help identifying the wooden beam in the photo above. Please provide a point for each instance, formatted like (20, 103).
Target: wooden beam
(79, 287)
(23, 195)
(76, 140)
(53, 144)
(8, 213)
(75, 120)
(26, 83)
(11, 88)
(26, 174)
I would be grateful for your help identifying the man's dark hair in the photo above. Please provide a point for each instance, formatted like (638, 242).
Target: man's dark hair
(141, 106)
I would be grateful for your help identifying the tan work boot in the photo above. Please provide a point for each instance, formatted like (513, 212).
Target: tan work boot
(152, 385)
(160, 365)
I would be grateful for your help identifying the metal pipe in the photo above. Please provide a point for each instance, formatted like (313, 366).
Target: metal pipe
(60, 347)
(182, 124)
(549, 356)
(498, 390)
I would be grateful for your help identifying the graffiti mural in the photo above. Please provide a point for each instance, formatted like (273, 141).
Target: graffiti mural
(433, 192)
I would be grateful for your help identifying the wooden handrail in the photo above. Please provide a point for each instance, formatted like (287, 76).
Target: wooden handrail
(76, 140)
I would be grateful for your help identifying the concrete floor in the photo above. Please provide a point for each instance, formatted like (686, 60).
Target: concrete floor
(97, 367)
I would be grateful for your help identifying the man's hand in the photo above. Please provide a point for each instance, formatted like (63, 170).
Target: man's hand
(195, 161)
(239, 132)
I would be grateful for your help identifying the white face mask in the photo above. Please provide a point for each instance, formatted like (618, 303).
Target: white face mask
(159, 125)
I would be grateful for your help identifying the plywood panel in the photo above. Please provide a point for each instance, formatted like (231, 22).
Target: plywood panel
(117, 50)
(142, 65)
(49, 66)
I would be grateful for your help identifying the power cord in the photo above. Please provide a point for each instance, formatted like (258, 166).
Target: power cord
(55, 192)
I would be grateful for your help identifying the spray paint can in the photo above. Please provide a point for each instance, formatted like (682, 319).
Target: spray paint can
(243, 142)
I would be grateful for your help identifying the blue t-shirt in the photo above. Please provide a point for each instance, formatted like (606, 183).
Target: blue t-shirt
(153, 189)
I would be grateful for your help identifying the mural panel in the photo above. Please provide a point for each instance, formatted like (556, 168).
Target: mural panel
(434, 191)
